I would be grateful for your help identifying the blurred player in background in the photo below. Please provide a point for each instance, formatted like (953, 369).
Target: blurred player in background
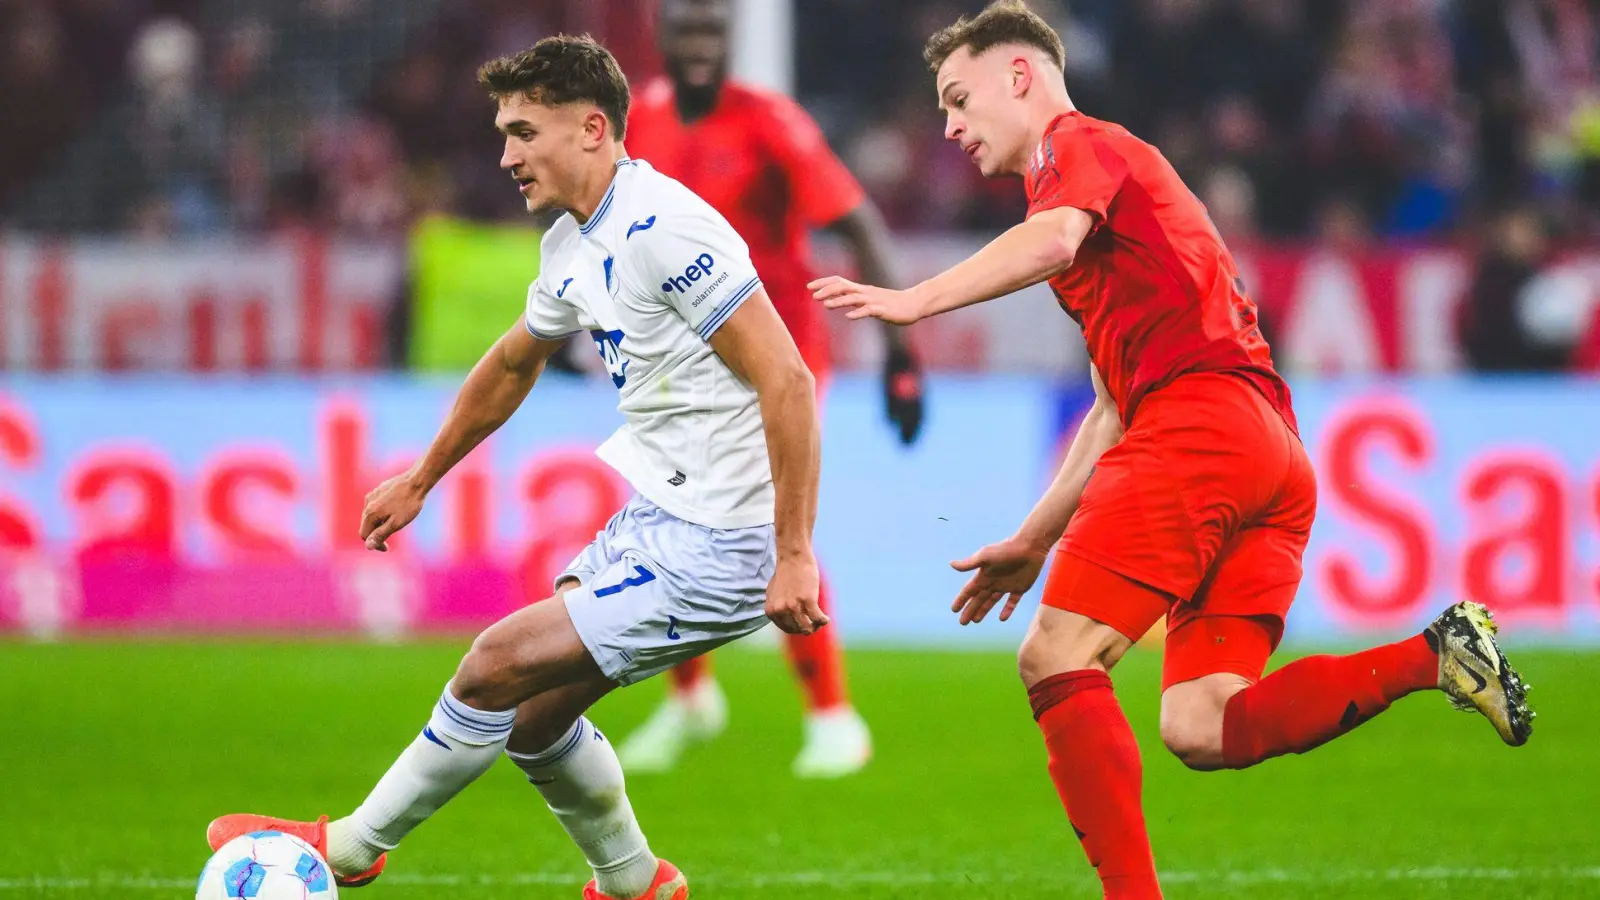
(760, 160)
(719, 442)
(1201, 497)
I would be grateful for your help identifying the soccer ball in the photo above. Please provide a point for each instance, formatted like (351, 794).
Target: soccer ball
(266, 865)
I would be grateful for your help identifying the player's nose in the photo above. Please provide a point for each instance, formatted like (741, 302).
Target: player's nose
(953, 129)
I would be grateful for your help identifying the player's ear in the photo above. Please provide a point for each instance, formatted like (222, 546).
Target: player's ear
(596, 129)
(1021, 76)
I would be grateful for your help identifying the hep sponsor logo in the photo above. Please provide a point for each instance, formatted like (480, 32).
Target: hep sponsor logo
(700, 268)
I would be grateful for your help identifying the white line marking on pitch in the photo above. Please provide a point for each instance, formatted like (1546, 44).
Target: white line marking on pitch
(853, 879)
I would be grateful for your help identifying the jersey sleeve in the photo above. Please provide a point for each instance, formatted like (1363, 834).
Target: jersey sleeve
(822, 188)
(1080, 170)
(547, 316)
(693, 262)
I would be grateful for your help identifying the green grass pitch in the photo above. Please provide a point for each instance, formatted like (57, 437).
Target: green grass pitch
(115, 755)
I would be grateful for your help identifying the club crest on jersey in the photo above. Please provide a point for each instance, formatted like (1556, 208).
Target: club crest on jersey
(610, 346)
(700, 268)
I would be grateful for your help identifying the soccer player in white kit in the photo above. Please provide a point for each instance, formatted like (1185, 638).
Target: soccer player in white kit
(720, 444)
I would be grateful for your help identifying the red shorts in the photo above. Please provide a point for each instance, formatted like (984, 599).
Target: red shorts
(1200, 513)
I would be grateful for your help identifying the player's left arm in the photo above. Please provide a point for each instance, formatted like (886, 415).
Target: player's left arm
(758, 348)
(1043, 246)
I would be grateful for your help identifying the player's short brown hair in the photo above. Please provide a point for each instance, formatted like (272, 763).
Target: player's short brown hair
(1001, 22)
(562, 69)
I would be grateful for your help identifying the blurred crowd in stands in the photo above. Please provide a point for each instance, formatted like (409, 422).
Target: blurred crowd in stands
(1348, 121)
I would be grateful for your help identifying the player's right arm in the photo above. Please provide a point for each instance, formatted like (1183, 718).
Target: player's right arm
(1008, 569)
(494, 389)
(1042, 246)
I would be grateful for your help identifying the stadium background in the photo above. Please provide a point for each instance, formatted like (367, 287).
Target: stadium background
(247, 249)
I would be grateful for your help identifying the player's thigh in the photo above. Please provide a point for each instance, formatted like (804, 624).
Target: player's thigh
(1079, 585)
(1204, 457)
(1088, 618)
(535, 649)
(1236, 619)
(1209, 658)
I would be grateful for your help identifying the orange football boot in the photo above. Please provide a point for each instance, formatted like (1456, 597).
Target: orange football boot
(225, 829)
(668, 885)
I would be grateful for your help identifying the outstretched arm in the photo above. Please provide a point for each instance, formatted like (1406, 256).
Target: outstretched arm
(1042, 246)
(494, 389)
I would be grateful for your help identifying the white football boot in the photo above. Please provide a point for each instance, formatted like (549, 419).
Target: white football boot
(838, 743)
(694, 716)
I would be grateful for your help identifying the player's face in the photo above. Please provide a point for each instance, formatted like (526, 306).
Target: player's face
(694, 42)
(544, 149)
(983, 112)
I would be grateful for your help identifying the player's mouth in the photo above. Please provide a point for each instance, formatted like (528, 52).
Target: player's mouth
(972, 148)
(523, 183)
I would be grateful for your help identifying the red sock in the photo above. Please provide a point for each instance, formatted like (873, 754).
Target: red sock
(819, 663)
(1094, 762)
(685, 676)
(1312, 701)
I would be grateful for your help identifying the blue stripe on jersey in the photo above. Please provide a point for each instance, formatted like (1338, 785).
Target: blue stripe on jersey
(545, 337)
(734, 301)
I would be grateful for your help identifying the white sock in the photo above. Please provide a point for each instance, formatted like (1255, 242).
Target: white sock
(581, 780)
(459, 744)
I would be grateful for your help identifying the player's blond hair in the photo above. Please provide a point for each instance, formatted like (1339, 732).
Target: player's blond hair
(1001, 22)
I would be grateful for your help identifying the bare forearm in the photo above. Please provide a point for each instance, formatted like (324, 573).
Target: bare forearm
(492, 392)
(789, 415)
(1025, 254)
(1045, 524)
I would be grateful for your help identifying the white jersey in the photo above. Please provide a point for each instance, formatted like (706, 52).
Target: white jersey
(651, 276)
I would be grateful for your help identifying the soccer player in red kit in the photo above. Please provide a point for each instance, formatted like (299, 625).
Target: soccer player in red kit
(758, 159)
(1186, 492)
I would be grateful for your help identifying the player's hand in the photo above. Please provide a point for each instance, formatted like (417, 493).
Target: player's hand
(1007, 569)
(792, 602)
(902, 390)
(864, 300)
(390, 507)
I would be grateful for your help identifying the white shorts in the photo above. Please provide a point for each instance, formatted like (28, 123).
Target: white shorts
(655, 590)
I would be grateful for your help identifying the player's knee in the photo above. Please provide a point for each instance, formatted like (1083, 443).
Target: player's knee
(484, 678)
(1194, 743)
(1191, 723)
(1047, 652)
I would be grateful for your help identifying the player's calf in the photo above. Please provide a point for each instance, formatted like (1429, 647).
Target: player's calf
(580, 779)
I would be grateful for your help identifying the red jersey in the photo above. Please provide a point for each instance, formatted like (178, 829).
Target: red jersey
(761, 161)
(1154, 289)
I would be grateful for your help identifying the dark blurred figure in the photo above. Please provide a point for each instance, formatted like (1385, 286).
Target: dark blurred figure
(1503, 328)
(43, 92)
